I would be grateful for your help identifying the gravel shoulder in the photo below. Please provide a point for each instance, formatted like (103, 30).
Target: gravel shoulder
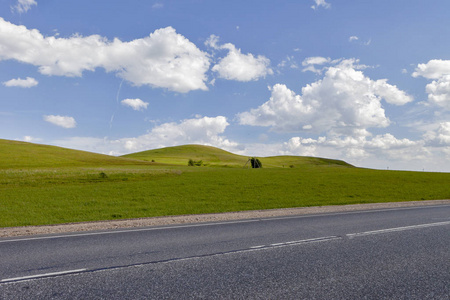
(185, 219)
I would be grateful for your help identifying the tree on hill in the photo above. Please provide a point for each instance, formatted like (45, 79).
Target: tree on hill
(256, 163)
(198, 163)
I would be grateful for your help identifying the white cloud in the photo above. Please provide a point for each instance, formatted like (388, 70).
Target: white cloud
(62, 121)
(320, 3)
(439, 92)
(310, 62)
(27, 138)
(204, 131)
(359, 150)
(434, 69)
(288, 62)
(345, 101)
(24, 83)
(356, 39)
(440, 136)
(316, 60)
(164, 59)
(439, 89)
(136, 104)
(23, 6)
(158, 5)
(238, 66)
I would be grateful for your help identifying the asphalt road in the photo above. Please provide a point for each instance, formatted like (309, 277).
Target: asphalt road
(401, 253)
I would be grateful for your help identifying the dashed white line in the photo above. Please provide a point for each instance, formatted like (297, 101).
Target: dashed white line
(42, 275)
(292, 243)
(277, 244)
(352, 235)
(257, 247)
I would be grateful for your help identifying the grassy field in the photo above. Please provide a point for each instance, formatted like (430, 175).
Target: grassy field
(49, 185)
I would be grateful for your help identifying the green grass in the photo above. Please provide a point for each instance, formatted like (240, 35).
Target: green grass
(86, 189)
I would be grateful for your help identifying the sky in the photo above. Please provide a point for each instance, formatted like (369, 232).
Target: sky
(367, 82)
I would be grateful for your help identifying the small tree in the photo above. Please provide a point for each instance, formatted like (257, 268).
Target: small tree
(256, 163)
(192, 163)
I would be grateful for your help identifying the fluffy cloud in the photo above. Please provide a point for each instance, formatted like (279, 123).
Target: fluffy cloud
(345, 101)
(319, 3)
(357, 149)
(205, 131)
(61, 121)
(136, 104)
(434, 69)
(310, 62)
(440, 136)
(164, 59)
(438, 90)
(24, 83)
(315, 60)
(238, 66)
(23, 6)
(353, 38)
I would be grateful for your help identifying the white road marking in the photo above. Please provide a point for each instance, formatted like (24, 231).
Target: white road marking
(352, 235)
(42, 275)
(277, 244)
(123, 231)
(214, 223)
(350, 212)
(292, 243)
(257, 247)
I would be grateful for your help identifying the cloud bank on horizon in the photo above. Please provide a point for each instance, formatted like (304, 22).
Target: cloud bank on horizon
(277, 85)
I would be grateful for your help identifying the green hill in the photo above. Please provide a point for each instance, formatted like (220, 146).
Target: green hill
(211, 156)
(14, 154)
(180, 155)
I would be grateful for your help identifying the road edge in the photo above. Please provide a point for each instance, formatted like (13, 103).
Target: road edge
(202, 218)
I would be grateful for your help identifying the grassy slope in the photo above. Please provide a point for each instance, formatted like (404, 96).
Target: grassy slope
(49, 185)
(14, 154)
(211, 156)
(180, 155)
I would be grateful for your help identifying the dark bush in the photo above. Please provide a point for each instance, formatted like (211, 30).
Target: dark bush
(256, 163)
(198, 163)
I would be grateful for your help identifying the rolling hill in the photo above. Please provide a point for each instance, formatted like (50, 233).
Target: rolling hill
(211, 156)
(14, 154)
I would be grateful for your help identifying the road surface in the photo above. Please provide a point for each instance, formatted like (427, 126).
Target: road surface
(401, 253)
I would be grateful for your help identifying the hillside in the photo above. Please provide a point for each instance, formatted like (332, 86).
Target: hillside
(211, 156)
(179, 155)
(14, 154)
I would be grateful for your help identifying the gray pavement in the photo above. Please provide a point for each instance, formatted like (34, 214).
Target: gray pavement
(398, 253)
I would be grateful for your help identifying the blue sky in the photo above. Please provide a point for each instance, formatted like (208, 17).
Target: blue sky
(363, 81)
